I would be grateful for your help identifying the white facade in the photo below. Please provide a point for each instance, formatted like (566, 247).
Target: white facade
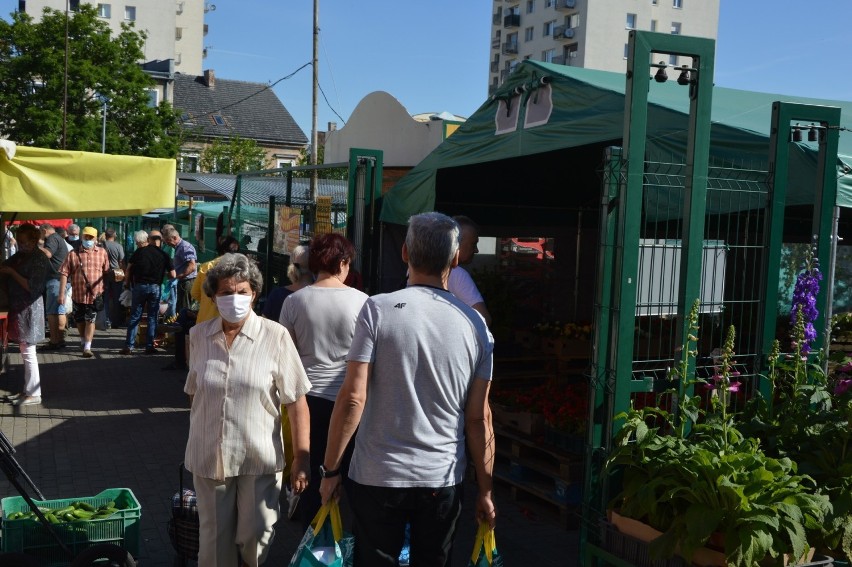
(588, 33)
(175, 28)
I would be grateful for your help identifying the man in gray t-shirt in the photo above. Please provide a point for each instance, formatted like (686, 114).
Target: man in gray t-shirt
(416, 388)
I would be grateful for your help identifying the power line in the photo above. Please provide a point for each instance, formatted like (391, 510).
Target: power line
(329, 105)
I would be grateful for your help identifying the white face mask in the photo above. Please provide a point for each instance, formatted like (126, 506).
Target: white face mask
(233, 308)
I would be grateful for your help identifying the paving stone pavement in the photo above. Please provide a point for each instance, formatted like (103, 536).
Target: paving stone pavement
(116, 421)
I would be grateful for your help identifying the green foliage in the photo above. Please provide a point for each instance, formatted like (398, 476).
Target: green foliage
(771, 486)
(341, 174)
(32, 70)
(234, 155)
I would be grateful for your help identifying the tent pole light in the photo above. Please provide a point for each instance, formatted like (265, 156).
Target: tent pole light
(661, 76)
(684, 78)
(796, 134)
(812, 134)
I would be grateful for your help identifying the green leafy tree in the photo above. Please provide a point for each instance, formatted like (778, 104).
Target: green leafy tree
(32, 71)
(305, 159)
(233, 156)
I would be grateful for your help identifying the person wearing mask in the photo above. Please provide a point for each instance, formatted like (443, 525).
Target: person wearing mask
(299, 275)
(321, 319)
(243, 372)
(145, 272)
(416, 389)
(27, 273)
(86, 268)
(56, 250)
(72, 236)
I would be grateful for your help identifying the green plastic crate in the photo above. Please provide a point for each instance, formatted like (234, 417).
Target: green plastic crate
(32, 538)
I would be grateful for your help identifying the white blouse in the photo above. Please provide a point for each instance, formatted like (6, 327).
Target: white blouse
(235, 420)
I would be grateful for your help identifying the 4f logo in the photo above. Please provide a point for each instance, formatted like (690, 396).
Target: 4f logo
(399, 306)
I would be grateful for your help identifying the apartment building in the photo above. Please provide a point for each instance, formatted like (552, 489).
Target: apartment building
(588, 33)
(175, 28)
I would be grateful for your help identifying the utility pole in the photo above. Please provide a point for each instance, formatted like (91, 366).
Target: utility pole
(314, 137)
(65, 83)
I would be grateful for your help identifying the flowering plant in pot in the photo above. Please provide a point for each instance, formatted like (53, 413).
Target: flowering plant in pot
(691, 473)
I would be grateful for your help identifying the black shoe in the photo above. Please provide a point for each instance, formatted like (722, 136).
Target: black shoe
(150, 350)
(175, 366)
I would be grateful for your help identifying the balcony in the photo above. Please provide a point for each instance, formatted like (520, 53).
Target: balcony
(206, 29)
(558, 60)
(495, 43)
(510, 48)
(563, 32)
(512, 21)
(565, 4)
(495, 19)
(495, 66)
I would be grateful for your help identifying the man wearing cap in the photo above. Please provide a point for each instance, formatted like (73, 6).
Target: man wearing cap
(55, 249)
(87, 268)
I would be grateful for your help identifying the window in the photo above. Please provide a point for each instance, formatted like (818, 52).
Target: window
(189, 163)
(178, 33)
(74, 5)
(218, 119)
(626, 50)
(572, 21)
(153, 98)
(673, 60)
(547, 55)
(22, 5)
(654, 2)
(677, 3)
(631, 22)
(530, 6)
(675, 28)
(130, 13)
(548, 3)
(104, 10)
(548, 28)
(529, 34)
(284, 163)
(653, 25)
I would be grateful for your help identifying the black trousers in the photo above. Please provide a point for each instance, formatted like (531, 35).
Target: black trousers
(381, 513)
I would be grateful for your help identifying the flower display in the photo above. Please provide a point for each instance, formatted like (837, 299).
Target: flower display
(565, 406)
(581, 331)
(804, 311)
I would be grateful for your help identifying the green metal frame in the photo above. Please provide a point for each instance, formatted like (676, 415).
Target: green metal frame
(823, 226)
(365, 192)
(614, 343)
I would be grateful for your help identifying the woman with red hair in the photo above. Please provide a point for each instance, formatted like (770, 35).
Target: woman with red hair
(321, 319)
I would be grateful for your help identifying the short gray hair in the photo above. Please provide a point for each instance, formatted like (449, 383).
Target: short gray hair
(169, 231)
(236, 266)
(74, 227)
(140, 236)
(432, 242)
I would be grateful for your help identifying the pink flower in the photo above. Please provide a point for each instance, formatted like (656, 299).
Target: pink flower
(842, 386)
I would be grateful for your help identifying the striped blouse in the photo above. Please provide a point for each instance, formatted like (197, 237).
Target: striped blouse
(235, 420)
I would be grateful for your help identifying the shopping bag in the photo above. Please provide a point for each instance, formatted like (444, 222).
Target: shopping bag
(485, 548)
(126, 298)
(321, 544)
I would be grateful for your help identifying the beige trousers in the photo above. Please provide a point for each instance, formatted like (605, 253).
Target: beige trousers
(236, 519)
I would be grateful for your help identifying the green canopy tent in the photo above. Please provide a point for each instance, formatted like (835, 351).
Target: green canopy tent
(587, 113)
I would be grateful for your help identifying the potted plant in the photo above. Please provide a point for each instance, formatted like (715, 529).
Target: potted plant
(690, 473)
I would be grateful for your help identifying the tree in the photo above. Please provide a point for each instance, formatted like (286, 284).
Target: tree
(32, 70)
(233, 155)
(305, 159)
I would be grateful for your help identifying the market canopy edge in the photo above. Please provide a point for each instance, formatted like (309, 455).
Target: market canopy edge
(586, 106)
(39, 183)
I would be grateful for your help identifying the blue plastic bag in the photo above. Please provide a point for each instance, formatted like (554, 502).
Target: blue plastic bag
(324, 543)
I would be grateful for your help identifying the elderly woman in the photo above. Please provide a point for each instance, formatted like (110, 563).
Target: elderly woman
(299, 275)
(321, 319)
(27, 275)
(242, 370)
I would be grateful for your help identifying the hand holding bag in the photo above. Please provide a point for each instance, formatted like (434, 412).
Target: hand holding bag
(485, 548)
(324, 543)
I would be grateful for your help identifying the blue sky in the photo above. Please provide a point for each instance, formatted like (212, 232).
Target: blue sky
(433, 55)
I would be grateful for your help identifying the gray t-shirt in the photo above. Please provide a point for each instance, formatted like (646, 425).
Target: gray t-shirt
(321, 321)
(426, 347)
(115, 252)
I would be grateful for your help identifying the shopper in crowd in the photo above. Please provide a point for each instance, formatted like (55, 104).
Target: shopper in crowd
(55, 249)
(243, 369)
(321, 319)
(416, 389)
(113, 311)
(145, 272)
(460, 283)
(188, 318)
(169, 286)
(186, 262)
(87, 268)
(26, 273)
(299, 274)
(10, 245)
(72, 236)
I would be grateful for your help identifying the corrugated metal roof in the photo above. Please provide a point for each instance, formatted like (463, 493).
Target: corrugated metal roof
(257, 190)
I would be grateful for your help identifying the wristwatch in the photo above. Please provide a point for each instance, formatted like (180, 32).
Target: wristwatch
(325, 473)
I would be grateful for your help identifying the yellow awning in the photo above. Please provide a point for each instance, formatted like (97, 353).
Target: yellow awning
(40, 184)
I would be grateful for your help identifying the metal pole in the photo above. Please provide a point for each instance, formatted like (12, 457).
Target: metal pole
(103, 130)
(314, 136)
(65, 84)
